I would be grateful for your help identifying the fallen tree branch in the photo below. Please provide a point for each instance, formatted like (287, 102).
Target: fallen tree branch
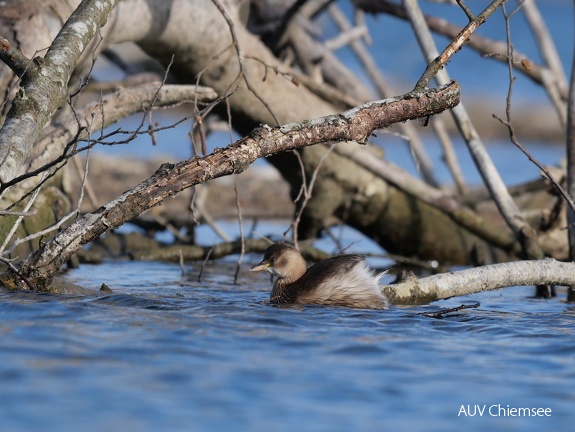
(440, 314)
(44, 86)
(356, 124)
(414, 291)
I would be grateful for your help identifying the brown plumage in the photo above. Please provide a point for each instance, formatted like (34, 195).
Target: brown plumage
(342, 280)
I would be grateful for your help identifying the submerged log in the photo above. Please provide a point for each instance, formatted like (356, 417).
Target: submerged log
(414, 291)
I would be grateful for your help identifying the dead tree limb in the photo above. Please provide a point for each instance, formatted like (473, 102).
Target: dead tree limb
(356, 124)
(485, 278)
(44, 86)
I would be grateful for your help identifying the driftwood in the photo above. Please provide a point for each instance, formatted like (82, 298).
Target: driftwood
(413, 291)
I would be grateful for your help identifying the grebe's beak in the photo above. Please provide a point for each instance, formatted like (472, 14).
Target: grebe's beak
(260, 267)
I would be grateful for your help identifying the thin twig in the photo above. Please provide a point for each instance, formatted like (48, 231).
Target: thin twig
(466, 10)
(84, 184)
(204, 264)
(182, 264)
(43, 232)
(89, 190)
(303, 187)
(240, 57)
(508, 123)
(240, 222)
(197, 205)
(307, 193)
(18, 213)
(455, 45)
(544, 170)
(68, 151)
(20, 219)
(84, 82)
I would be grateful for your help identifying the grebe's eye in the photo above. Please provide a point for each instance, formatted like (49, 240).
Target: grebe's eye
(272, 260)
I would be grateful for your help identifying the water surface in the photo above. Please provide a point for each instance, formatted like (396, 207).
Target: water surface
(166, 352)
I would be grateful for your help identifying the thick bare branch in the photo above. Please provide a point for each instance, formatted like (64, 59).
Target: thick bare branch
(486, 278)
(44, 86)
(354, 125)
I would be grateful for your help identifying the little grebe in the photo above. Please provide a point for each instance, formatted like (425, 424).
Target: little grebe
(342, 280)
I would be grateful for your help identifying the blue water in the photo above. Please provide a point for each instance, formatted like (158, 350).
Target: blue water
(170, 353)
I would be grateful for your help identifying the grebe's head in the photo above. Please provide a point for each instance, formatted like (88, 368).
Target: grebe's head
(282, 260)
